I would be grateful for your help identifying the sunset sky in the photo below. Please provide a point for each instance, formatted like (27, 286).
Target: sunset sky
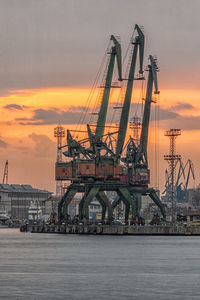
(49, 56)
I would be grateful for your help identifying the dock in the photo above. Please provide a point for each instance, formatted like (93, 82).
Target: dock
(100, 229)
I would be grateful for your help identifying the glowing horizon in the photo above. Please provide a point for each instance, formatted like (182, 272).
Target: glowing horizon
(26, 141)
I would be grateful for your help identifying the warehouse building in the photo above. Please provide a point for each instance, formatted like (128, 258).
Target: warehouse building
(15, 199)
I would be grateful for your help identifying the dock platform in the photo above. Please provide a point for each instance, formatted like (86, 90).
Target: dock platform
(100, 229)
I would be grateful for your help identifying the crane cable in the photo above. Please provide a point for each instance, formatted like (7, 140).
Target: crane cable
(157, 140)
(88, 101)
(102, 83)
(120, 98)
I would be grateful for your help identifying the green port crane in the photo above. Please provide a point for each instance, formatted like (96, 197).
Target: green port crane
(91, 155)
(103, 171)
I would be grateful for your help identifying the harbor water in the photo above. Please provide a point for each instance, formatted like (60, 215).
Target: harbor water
(80, 267)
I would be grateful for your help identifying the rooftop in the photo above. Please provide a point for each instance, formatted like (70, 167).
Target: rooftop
(192, 213)
(20, 188)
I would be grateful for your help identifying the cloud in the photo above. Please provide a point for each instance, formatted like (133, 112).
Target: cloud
(54, 116)
(161, 113)
(24, 150)
(165, 114)
(44, 146)
(170, 117)
(74, 113)
(13, 106)
(3, 144)
(186, 122)
(182, 106)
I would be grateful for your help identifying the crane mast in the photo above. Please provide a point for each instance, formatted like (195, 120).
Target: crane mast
(139, 42)
(152, 78)
(116, 51)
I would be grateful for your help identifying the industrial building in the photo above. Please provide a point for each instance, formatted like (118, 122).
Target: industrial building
(15, 199)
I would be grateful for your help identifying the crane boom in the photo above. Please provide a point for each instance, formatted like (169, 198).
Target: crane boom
(74, 147)
(152, 79)
(139, 41)
(141, 48)
(191, 169)
(116, 51)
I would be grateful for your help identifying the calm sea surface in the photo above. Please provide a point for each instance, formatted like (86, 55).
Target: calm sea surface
(52, 266)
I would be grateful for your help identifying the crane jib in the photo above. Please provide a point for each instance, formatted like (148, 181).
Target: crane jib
(139, 42)
(116, 52)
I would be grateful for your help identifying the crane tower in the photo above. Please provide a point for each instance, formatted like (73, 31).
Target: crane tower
(59, 134)
(135, 125)
(172, 158)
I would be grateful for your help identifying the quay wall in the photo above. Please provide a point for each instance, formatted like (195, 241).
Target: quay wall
(112, 229)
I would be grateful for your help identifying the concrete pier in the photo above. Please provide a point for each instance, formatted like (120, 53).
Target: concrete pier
(100, 229)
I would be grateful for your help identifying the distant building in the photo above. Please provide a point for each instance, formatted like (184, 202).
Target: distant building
(149, 208)
(15, 199)
(193, 197)
(193, 216)
(95, 209)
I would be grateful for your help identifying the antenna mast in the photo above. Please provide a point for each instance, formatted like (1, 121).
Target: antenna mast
(5, 174)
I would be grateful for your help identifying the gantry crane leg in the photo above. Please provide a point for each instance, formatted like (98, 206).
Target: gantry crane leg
(81, 203)
(134, 206)
(157, 201)
(65, 201)
(127, 199)
(103, 205)
(138, 198)
(101, 196)
(88, 199)
(117, 200)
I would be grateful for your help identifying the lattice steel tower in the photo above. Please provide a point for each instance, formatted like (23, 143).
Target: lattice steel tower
(59, 133)
(172, 159)
(135, 124)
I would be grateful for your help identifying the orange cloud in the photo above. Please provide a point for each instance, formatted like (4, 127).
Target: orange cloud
(22, 150)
